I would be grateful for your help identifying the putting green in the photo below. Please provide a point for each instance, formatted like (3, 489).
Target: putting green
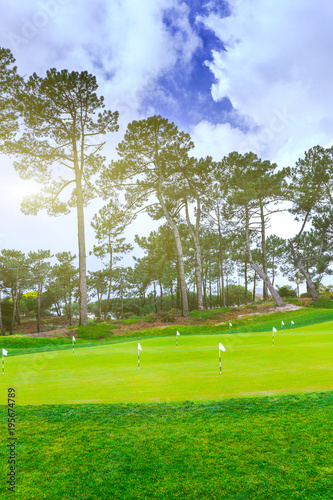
(301, 361)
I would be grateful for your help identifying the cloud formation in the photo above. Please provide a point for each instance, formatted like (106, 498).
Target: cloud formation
(125, 44)
(277, 72)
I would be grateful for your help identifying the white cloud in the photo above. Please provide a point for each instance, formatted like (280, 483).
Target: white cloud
(124, 43)
(277, 72)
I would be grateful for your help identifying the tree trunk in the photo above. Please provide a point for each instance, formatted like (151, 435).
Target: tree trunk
(273, 268)
(82, 259)
(210, 291)
(18, 310)
(1, 324)
(81, 237)
(66, 306)
(161, 299)
(298, 263)
(263, 249)
(205, 287)
(99, 298)
(222, 282)
(15, 295)
(110, 280)
(38, 306)
(279, 302)
(122, 299)
(155, 301)
(238, 291)
(245, 281)
(179, 254)
(178, 306)
(254, 288)
(195, 237)
(221, 259)
(70, 308)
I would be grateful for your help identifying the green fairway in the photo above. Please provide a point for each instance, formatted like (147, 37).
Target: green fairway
(299, 362)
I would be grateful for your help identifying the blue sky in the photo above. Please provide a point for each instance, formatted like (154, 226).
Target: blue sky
(184, 95)
(236, 74)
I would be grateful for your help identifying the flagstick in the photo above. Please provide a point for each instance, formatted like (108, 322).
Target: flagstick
(220, 361)
(176, 341)
(273, 338)
(138, 360)
(3, 364)
(73, 347)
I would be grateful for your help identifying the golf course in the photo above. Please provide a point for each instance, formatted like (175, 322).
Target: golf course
(301, 361)
(176, 428)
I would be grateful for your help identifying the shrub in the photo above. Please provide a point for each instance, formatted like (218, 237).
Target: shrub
(169, 316)
(151, 318)
(95, 331)
(7, 313)
(285, 291)
(293, 300)
(129, 314)
(322, 302)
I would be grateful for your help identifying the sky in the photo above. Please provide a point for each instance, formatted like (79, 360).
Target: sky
(237, 75)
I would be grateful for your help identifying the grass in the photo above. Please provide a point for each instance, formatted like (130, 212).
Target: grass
(299, 362)
(91, 426)
(257, 449)
(98, 333)
(209, 313)
(27, 345)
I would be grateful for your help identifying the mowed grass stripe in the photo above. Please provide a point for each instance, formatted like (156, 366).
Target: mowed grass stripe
(299, 362)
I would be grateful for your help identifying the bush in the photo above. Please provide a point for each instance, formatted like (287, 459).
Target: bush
(95, 331)
(322, 302)
(285, 291)
(7, 313)
(150, 318)
(129, 314)
(169, 316)
(306, 295)
(293, 300)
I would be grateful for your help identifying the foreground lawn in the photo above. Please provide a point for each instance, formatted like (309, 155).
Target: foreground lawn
(261, 448)
(299, 362)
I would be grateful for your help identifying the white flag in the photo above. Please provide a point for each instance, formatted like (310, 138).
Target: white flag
(230, 324)
(282, 323)
(178, 334)
(139, 347)
(4, 352)
(74, 339)
(274, 330)
(221, 347)
(292, 323)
